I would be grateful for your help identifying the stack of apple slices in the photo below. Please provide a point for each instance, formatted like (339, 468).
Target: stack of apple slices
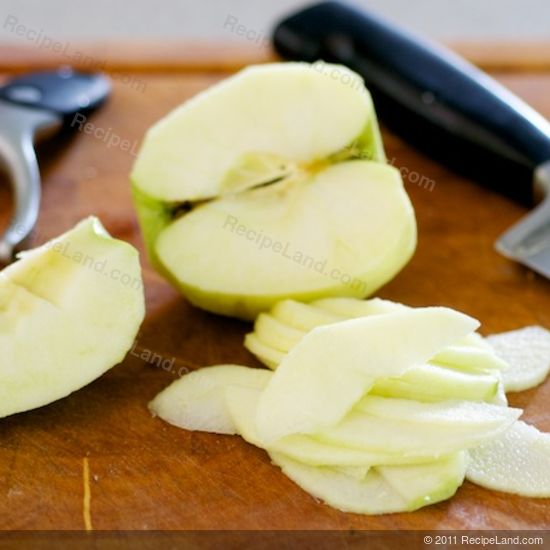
(512, 361)
(467, 370)
(375, 414)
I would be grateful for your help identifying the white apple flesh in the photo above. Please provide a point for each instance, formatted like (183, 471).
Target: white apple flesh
(517, 462)
(69, 311)
(197, 400)
(242, 404)
(407, 427)
(287, 111)
(527, 352)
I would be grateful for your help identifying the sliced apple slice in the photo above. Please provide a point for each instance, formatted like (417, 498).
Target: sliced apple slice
(345, 478)
(303, 317)
(468, 369)
(323, 376)
(377, 493)
(197, 400)
(425, 484)
(276, 334)
(434, 383)
(372, 495)
(257, 190)
(69, 311)
(350, 308)
(287, 323)
(527, 352)
(407, 427)
(242, 404)
(500, 396)
(470, 358)
(517, 462)
(428, 382)
(269, 356)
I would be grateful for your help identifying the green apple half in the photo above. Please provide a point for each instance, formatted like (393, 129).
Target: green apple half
(69, 311)
(258, 189)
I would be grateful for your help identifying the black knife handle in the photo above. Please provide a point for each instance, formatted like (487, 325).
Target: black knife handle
(434, 99)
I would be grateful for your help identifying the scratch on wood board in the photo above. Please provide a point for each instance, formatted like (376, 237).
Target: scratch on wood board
(87, 495)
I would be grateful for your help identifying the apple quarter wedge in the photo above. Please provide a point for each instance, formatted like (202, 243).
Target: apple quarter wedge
(69, 311)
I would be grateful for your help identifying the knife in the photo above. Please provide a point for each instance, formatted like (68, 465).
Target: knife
(32, 107)
(444, 106)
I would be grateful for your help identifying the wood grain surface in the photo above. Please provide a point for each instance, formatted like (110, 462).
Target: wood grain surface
(98, 459)
(177, 56)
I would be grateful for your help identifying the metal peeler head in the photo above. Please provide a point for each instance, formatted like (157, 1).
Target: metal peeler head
(33, 107)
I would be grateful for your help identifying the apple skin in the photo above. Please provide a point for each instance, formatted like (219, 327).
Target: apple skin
(373, 495)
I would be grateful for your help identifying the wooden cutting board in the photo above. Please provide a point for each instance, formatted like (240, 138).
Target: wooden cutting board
(97, 459)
